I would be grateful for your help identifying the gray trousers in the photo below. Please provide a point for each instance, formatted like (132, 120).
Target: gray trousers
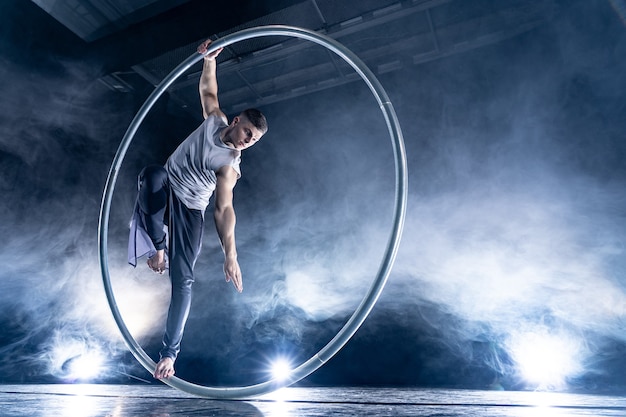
(158, 206)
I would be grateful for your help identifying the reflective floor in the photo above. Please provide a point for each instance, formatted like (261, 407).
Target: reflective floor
(162, 401)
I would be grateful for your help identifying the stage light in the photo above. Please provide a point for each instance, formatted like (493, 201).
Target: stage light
(546, 360)
(85, 367)
(281, 369)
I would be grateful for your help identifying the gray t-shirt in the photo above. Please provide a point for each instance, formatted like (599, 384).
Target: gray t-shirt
(191, 168)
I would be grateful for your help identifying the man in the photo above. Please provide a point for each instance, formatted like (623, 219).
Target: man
(206, 163)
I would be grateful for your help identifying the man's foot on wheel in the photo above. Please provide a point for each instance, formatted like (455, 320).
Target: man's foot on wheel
(164, 369)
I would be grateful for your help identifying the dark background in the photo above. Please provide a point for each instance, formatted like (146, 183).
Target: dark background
(515, 228)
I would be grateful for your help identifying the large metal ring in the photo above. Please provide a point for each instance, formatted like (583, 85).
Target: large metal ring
(366, 305)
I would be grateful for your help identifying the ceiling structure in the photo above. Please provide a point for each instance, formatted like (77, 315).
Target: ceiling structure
(146, 39)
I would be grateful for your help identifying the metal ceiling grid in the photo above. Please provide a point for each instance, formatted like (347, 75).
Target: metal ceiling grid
(302, 15)
(395, 35)
(94, 19)
(267, 70)
(493, 25)
(336, 12)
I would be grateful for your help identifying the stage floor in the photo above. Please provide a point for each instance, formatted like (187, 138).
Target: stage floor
(163, 401)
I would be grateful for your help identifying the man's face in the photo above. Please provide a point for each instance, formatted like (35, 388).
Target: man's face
(242, 134)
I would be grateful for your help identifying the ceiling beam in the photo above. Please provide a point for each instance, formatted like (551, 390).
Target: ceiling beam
(177, 27)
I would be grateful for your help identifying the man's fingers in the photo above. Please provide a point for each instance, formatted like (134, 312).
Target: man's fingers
(204, 46)
(236, 280)
(232, 272)
(237, 284)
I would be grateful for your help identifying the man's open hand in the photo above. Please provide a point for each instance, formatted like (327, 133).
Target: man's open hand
(232, 272)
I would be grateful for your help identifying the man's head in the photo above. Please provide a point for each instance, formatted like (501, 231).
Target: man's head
(246, 129)
(256, 118)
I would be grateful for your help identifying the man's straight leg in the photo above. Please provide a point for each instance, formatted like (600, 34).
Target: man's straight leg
(185, 228)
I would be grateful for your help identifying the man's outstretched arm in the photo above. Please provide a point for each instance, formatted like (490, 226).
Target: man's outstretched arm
(224, 215)
(208, 82)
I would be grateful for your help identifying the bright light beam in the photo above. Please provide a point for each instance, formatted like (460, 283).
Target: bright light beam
(546, 360)
(85, 367)
(74, 358)
(280, 369)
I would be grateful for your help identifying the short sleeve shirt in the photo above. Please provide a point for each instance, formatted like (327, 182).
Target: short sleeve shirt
(191, 168)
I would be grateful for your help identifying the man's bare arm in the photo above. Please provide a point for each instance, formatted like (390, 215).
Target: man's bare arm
(208, 82)
(224, 215)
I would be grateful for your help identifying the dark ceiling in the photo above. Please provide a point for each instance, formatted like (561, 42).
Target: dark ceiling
(146, 39)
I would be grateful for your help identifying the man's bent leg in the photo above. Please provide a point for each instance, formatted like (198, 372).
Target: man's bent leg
(153, 195)
(186, 227)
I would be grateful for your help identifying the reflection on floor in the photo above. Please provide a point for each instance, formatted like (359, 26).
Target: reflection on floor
(162, 401)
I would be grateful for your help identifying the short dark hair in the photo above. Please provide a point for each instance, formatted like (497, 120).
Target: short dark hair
(256, 118)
